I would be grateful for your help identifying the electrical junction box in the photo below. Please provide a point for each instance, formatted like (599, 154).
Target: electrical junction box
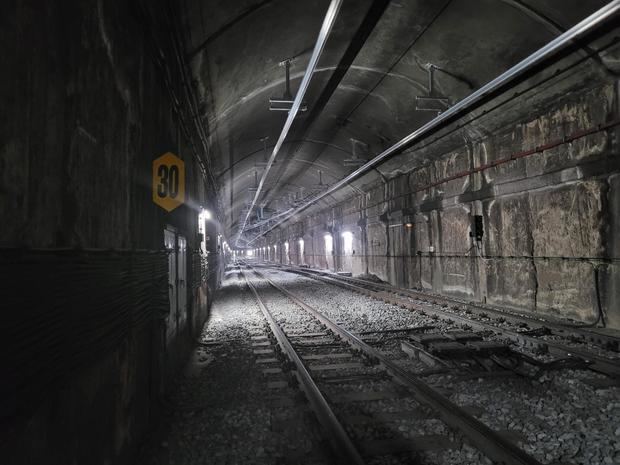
(477, 228)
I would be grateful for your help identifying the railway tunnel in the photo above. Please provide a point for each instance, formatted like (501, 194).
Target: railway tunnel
(318, 232)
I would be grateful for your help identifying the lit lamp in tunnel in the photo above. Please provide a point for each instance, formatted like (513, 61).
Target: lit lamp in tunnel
(347, 238)
(301, 251)
(329, 244)
(202, 217)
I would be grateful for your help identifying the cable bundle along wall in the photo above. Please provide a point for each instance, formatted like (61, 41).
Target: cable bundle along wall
(66, 309)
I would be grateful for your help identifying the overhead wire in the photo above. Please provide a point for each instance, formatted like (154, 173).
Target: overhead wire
(596, 22)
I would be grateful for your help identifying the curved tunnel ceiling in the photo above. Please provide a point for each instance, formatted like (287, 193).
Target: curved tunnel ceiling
(235, 50)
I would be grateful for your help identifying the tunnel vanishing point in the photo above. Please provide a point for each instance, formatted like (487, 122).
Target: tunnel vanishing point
(168, 169)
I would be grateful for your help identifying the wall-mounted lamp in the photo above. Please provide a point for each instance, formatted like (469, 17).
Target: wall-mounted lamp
(347, 237)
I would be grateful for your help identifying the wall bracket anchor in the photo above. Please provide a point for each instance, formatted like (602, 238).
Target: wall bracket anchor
(285, 103)
(431, 102)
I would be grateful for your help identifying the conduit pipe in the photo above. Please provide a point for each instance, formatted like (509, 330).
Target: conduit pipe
(579, 30)
(328, 22)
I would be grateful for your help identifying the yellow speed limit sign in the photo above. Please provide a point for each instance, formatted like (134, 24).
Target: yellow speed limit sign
(168, 181)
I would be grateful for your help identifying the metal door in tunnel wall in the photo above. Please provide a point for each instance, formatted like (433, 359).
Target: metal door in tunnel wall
(181, 281)
(170, 244)
(177, 281)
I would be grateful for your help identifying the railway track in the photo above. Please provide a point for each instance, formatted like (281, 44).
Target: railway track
(340, 374)
(542, 336)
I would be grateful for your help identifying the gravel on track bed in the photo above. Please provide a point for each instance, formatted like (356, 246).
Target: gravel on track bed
(559, 417)
(221, 411)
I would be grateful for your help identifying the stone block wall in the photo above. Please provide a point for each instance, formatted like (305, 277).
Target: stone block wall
(543, 175)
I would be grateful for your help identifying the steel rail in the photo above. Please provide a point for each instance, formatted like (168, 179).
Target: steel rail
(600, 364)
(476, 307)
(328, 22)
(582, 28)
(337, 436)
(484, 438)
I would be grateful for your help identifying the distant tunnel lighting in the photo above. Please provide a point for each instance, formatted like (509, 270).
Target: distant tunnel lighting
(347, 237)
(249, 253)
(202, 217)
(301, 251)
(329, 243)
(408, 225)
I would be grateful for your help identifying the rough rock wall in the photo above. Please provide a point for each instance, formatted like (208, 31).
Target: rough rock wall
(85, 111)
(544, 179)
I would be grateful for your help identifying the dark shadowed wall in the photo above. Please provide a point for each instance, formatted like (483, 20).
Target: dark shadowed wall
(89, 342)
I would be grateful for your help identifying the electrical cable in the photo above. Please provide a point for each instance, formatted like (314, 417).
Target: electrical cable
(495, 107)
(409, 46)
(600, 317)
(68, 308)
(511, 158)
(415, 40)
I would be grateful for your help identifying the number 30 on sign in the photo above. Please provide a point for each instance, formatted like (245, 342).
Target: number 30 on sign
(168, 181)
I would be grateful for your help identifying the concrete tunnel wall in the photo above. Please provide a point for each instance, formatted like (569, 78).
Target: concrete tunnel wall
(549, 217)
(93, 345)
